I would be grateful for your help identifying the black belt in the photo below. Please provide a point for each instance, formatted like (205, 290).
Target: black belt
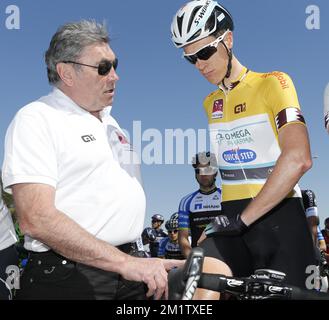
(128, 247)
(49, 257)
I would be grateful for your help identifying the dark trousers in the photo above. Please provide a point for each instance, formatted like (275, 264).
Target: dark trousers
(8, 257)
(49, 276)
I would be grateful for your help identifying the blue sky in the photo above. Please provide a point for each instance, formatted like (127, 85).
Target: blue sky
(158, 88)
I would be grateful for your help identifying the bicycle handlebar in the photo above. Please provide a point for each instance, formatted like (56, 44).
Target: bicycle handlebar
(264, 284)
(253, 288)
(183, 282)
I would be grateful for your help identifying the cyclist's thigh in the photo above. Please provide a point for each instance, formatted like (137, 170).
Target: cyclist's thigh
(284, 242)
(230, 250)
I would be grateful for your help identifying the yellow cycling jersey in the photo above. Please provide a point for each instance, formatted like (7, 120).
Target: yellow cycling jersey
(244, 123)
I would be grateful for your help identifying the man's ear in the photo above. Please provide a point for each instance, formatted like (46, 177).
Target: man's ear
(229, 40)
(65, 72)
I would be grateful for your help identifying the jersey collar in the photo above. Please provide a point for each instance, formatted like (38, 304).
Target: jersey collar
(209, 192)
(238, 80)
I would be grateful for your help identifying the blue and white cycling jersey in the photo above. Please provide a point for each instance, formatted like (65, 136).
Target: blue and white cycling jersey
(198, 209)
(319, 234)
(169, 250)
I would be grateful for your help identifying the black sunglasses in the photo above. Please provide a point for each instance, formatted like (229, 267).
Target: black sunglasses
(205, 52)
(103, 68)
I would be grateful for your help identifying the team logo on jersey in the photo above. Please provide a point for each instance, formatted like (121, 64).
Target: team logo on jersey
(88, 138)
(282, 78)
(240, 108)
(236, 156)
(198, 206)
(217, 109)
(215, 197)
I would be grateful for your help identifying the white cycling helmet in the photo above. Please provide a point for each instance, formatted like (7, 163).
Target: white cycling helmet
(197, 20)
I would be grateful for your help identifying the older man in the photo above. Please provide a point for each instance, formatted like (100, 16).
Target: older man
(71, 170)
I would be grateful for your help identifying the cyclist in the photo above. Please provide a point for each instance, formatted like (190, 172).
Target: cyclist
(311, 211)
(261, 142)
(198, 208)
(157, 221)
(8, 253)
(169, 247)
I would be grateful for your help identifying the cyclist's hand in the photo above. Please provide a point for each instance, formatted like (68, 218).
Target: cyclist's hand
(226, 226)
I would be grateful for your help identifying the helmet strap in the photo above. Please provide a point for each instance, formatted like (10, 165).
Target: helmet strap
(229, 64)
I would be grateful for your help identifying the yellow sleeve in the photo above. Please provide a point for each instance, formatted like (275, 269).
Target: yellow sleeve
(281, 99)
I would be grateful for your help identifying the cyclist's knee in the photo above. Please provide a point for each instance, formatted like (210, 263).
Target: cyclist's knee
(212, 265)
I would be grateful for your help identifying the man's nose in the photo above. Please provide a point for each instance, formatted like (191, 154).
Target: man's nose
(113, 75)
(200, 64)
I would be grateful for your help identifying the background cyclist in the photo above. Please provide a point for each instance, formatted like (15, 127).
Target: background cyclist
(198, 208)
(169, 247)
(157, 221)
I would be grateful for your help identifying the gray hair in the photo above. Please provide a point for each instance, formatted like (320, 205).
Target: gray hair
(69, 41)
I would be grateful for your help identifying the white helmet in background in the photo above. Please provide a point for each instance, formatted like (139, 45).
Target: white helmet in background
(197, 20)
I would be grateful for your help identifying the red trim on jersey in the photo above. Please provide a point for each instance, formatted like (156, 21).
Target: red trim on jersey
(287, 115)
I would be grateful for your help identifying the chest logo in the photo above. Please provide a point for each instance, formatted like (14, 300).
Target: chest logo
(122, 138)
(88, 138)
(240, 108)
(218, 109)
(236, 156)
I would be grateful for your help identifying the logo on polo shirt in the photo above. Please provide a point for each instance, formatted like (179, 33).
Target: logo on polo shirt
(122, 138)
(88, 138)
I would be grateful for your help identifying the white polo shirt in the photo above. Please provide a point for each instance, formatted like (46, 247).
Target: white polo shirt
(55, 142)
(7, 230)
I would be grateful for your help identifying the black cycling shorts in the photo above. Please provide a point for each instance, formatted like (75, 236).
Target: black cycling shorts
(280, 240)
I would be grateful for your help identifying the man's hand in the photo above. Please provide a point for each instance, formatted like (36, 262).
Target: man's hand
(151, 271)
(226, 226)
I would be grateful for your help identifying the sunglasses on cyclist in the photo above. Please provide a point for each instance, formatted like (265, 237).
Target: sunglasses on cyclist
(204, 171)
(172, 231)
(103, 68)
(206, 51)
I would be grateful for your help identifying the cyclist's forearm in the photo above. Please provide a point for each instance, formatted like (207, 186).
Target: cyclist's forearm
(185, 246)
(293, 162)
